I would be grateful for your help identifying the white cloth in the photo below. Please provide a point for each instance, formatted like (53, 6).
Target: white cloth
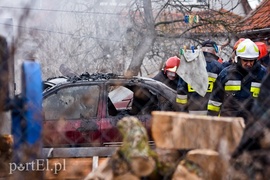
(193, 71)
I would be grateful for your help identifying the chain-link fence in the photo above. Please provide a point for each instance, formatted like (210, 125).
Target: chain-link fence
(81, 115)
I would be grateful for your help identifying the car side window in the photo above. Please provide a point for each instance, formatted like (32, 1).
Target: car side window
(132, 100)
(72, 103)
(120, 100)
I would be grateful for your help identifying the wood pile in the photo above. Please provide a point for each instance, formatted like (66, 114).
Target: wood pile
(187, 147)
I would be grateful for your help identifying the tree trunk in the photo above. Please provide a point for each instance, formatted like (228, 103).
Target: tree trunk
(146, 41)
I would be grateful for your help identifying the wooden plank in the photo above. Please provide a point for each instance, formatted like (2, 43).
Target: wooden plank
(176, 130)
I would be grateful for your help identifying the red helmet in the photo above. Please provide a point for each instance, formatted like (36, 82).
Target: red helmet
(262, 48)
(237, 43)
(172, 64)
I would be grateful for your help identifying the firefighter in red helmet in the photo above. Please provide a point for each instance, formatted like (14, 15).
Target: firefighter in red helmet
(171, 66)
(168, 74)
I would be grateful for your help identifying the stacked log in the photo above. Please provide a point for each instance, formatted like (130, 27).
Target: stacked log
(209, 142)
(187, 147)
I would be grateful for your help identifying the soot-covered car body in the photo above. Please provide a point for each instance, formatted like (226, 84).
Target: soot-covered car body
(84, 110)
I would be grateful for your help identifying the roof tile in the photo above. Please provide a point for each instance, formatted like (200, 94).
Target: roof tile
(259, 18)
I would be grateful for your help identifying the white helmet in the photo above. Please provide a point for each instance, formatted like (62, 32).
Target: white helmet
(247, 49)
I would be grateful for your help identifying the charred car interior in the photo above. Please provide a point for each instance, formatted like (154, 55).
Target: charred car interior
(84, 110)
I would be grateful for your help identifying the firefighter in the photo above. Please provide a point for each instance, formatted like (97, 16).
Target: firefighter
(231, 60)
(263, 58)
(256, 132)
(238, 85)
(210, 50)
(168, 74)
(187, 97)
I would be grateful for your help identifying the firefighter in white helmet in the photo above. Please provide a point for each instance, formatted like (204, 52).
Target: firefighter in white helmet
(238, 85)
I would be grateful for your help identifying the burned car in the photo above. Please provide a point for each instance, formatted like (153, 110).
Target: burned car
(84, 110)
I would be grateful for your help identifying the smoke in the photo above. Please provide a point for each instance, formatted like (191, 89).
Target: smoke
(86, 36)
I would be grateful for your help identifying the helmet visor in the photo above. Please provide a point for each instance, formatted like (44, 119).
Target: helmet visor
(248, 59)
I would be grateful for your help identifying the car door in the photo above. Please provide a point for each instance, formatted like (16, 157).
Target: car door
(127, 98)
(118, 103)
(71, 115)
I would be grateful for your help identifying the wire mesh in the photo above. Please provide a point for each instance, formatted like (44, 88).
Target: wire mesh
(85, 114)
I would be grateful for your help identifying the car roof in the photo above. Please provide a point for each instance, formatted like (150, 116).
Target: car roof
(54, 81)
(97, 77)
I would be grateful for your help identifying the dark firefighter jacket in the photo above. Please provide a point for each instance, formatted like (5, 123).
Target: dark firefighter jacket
(235, 90)
(257, 128)
(191, 101)
(163, 78)
(227, 63)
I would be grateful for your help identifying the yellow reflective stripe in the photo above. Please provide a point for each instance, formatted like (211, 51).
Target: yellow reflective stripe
(210, 87)
(213, 108)
(190, 89)
(214, 105)
(211, 81)
(242, 50)
(232, 88)
(233, 83)
(181, 101)
(255, 91)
